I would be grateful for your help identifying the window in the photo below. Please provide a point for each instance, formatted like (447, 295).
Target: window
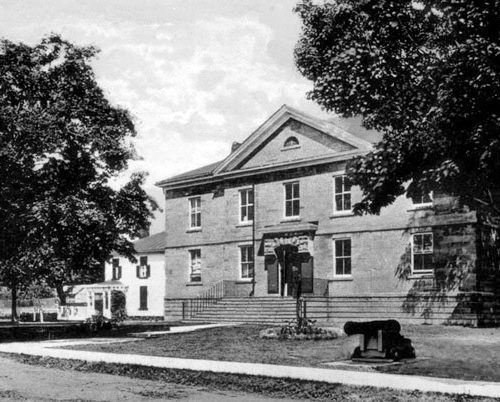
(292, 200)
(246, 205)
(195, 265)
(143, 297)
(422, 252)
(342, 260)
(291, 142)
(341, 194)
(116, 269)
(143, 269)
(246, 262)
(422, 200)
(195, 212)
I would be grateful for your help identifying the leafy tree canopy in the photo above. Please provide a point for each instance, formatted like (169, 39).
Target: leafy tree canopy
(61, 144)
(426, 74)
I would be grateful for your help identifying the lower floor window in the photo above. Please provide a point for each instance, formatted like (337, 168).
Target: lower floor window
(342, 260)
(195, 265)
(143, 298)
(422, 252)
(246, 262)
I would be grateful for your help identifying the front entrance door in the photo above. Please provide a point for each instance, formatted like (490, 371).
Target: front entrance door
(289, 271)
(99, 303)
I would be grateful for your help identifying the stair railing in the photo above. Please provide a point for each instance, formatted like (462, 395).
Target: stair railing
(209, 297)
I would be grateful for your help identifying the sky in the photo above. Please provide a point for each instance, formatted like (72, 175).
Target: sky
(196, 75)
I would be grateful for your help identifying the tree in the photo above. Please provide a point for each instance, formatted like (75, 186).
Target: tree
(426, 74)
(62, 144)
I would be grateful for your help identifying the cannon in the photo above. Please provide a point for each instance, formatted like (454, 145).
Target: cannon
(379, 340)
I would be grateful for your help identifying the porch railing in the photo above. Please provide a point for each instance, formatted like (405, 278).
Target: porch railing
(209, 297)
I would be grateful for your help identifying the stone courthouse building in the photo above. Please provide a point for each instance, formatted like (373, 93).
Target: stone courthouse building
(279, 207)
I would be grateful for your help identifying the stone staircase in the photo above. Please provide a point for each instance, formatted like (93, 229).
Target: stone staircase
(249, 310)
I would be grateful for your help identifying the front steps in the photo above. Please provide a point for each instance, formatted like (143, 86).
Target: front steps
(334, 310)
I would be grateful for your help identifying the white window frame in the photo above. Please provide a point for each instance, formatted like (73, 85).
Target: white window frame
(248, 263)
(292, 146)
(417, 205)
(196, 210)
(431, 252)
(334, 241)
(115, 270)
(247, 206)
(343, 193)
(191, 264)
(290, 183)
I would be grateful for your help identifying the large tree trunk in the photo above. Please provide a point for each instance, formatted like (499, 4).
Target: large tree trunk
(13, 290)
(61, 294)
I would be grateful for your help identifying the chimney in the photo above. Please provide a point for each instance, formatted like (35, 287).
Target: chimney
(235, 146)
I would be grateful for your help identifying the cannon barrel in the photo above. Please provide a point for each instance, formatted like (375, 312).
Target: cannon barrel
(354, 327)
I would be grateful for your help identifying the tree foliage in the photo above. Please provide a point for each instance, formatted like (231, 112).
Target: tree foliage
(61, 145)
(425, 73)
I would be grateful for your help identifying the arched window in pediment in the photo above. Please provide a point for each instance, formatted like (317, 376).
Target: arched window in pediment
(291, 142)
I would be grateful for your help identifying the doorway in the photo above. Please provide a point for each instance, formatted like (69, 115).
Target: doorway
(289, 272)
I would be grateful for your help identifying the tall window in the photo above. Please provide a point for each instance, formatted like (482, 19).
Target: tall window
(246, 262)
(116, 268)
(342, 259)
(195, 212)
(195, 265)
(246, 205)
(143, 297)
(341, 194)
(422, 252)
(292, 200)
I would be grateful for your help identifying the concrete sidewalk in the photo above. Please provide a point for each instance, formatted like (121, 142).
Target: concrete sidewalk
(357, 378)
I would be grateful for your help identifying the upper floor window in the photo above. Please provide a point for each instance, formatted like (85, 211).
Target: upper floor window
(195, 212)
(292, 199)
(116, 269)
(246, 262)
(291, 142)
(422, 251)
(341, 194)
(342, 259)
(143, 269)
(422, 200)
(246, 205)
(195, 265)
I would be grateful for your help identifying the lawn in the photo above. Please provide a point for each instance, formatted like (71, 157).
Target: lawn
(442, 351)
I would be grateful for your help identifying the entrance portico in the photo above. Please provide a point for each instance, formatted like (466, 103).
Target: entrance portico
(288, 253)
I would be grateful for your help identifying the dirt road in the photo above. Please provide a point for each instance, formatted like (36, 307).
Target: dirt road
(22, 382)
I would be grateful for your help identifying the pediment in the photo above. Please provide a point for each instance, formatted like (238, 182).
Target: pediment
(306, 137)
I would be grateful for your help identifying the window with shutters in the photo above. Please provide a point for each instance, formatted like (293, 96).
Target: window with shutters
(292, 200)
(342, 258)
(143, 297)
(246, 205)
(195, 213)
(422, 253)
(143, 269)
(195, 265)
(341, 195)
(116, 269)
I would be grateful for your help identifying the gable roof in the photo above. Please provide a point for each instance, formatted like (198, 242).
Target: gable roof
(151, 244)
(261, 134)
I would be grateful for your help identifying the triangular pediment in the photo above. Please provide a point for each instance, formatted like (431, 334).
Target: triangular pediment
(288, 136)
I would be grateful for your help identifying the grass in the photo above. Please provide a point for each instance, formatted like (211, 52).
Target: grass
(442, 351)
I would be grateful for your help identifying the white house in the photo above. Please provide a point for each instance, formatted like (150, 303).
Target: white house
(142, 283)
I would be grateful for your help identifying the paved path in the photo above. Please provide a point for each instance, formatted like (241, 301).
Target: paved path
(26, 383)
(358, 378)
